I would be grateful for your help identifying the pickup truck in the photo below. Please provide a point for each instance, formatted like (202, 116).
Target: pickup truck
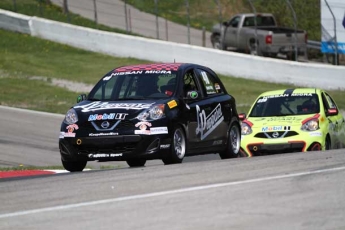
(258, 34)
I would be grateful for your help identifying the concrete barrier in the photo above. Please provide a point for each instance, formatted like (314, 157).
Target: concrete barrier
(14, 22)
(227, 63)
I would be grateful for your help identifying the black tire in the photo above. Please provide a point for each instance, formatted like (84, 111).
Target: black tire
(178, 147)
(74, 166)
(234, 142)
(328, 143)
(136, 162)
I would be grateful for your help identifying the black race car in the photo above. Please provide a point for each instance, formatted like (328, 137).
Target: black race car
(151, 111)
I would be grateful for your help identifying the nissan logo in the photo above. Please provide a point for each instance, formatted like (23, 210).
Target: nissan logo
(275, 134)
(105, 124)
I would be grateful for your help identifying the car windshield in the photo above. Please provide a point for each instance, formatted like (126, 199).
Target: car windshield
(134, 85)
(286, 105)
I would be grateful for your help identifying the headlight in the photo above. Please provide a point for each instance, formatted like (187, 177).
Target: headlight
(71, 117)
(310, 125)
(154, 113)
(245, 129)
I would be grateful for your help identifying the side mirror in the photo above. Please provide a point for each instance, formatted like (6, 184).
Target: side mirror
(226, 23)
(192, 94)
(332, 112)
(242, 116)
(81, 97)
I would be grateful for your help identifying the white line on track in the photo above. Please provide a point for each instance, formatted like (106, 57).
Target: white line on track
(155, 194)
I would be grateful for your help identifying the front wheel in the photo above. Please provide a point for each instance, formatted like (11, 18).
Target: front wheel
(74, 166)
(177, 149)
(234, 142)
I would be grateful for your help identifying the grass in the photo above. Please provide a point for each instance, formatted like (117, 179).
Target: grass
(22, 57)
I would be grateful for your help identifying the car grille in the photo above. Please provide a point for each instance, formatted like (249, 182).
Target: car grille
(278, 134)
(123, 124)
(269, 149)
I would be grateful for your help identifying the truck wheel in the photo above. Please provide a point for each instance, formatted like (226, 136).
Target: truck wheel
(253, 47)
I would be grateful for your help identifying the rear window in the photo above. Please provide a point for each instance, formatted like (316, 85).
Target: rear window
(260, 21)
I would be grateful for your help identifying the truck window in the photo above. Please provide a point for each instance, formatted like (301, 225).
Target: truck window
(234, 22)
(260, 21)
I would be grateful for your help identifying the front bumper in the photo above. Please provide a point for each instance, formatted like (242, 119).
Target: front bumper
(114, 148)
(251, 146)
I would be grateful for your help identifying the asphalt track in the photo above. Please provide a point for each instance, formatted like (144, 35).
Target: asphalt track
(112, 14)
(287, 191)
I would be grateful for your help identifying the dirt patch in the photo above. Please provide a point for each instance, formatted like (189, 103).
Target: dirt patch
(69, 85)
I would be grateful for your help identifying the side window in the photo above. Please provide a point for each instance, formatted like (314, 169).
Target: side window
(210, 83)
(331, 104)
(189, 82)
(234, 22)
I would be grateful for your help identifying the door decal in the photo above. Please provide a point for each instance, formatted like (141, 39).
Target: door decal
(207, 124)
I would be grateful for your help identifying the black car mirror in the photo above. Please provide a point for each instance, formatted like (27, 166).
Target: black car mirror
(81, 97)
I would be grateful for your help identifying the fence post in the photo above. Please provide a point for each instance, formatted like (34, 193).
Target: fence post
(188, 20)
(203, 36)
(156, 13)
(95, 9)
(295, 22)
(65, 10)
(126, 18)
(14, 6)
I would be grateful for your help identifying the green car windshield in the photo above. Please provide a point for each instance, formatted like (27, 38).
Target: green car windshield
(131, 86)
(286, 105)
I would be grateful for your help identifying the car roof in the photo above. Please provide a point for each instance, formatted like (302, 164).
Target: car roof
(290, 91)
(154, 66)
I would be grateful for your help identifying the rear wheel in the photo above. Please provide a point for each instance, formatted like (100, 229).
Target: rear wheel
(74, 166)
(234, 141)
(177, 149)
(136, 162)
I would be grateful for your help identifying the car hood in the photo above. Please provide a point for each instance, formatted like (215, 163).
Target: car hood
(104, 110)
(279, 122)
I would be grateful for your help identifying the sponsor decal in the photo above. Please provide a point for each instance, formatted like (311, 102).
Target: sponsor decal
(103, 155)
(159, 130)
(70, 130)
(219, 142)
(315, 134)
(97, 105)
(193, 94)
(103, 134)
(275, 128)
(172, 104)
(137, 72)
(207, 124)
(164, 146)
(62, 135)
(143, 125)
(153, 131)
(105, 116)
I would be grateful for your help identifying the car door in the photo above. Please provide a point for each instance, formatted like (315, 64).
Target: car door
(230, 32)
(213, 113)
(336, 122)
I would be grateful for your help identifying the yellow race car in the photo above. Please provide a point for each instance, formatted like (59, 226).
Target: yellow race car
(292, 120)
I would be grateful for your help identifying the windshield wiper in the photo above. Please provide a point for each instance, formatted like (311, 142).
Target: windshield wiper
(93, 99)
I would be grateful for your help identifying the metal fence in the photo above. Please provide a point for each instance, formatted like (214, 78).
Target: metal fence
(194, 18)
